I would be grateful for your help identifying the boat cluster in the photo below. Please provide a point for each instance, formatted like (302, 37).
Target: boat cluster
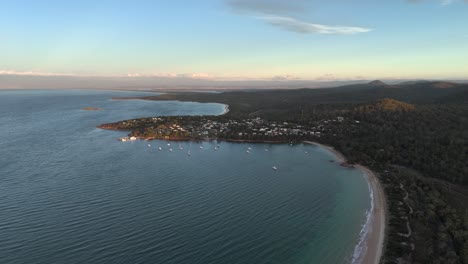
(170, 148)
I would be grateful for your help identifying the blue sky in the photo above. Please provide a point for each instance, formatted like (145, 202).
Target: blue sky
(236, 39)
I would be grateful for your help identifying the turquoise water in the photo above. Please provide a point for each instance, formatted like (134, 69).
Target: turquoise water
(72, 193)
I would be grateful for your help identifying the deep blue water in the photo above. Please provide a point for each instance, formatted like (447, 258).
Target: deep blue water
(72, 193)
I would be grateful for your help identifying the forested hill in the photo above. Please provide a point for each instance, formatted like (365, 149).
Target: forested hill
(432, 139)
(386, 105)
(294, 104)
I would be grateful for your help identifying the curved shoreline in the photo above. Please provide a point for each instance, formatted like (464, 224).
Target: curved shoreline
(226, 109)
(368, 250)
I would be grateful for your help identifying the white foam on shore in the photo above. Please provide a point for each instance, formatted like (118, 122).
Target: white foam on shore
(361, 247)
(226, 109)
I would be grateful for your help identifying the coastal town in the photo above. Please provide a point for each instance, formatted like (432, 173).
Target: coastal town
(198, 128)
(222, 128)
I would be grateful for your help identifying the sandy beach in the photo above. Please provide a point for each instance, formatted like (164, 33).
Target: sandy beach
(226, 109)
(374, 239)
(375, 236)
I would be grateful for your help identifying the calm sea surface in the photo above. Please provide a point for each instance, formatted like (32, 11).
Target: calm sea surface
(72, 193)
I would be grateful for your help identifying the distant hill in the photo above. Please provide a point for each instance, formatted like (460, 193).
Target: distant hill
(293, 104)
(431, 84)
(377, 83)
(444, 85)
(414, 82)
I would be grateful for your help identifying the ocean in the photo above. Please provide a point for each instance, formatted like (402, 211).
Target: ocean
(72, 193)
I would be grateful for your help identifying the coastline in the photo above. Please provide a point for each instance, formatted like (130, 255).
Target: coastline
(368, 250)
(226, 109)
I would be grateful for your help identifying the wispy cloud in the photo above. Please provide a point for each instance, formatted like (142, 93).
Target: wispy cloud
(35, 73)
(267, 6)
(447, 2)
(282, 14)
(442, 2)
(285, 77)
(129, 75)
(297, 26)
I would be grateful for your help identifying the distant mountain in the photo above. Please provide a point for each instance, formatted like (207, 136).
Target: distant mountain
(377, 83)
(431, 84)
(362, 86)
(289, 104)
(445, 85)
(414, 82)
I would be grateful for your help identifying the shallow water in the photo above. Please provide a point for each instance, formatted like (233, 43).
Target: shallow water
(72, 193)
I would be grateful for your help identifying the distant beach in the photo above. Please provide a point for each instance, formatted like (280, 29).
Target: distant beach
(226, 109)
(370, 246)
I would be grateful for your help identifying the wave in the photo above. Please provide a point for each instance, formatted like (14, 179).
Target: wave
(361, 246)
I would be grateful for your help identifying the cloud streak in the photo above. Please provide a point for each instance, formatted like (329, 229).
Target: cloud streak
(267, 7)
(281, 14)
(129, 75)
(442, 2)
(35, 73)
(294, 25)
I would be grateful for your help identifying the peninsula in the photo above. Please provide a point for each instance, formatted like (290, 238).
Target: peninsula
(409, 136)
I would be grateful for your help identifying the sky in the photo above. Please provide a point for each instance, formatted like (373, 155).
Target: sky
(233, 40)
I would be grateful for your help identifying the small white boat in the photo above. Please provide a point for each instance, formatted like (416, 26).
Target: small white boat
(249, 148)
(306, 152)
(170, 150)
(248, 152)
(189, 154)
(180, 147)
(133, 138)
(149, 145)
(159, 148)
(266, 149)
(201, 147)
(168, 144)
(274, 168)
